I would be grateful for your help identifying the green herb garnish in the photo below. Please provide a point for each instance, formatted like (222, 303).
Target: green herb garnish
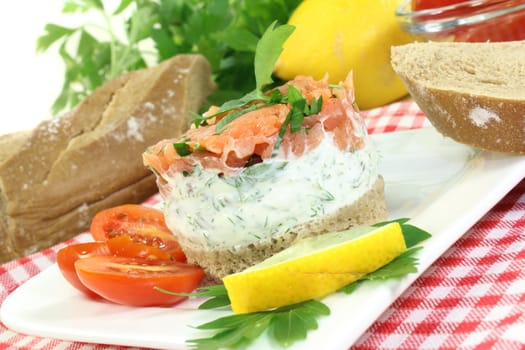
(285, 325)
(116, 37)
(413, 235)
(182, 148)
(288, 324)
(267, 52)
(300, 109)
(401, 265)
(397, 268)
(232, 116)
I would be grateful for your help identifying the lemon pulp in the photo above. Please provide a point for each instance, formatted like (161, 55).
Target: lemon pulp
(314, 267)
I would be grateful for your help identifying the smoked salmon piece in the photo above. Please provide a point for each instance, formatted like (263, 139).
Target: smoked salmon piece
(252, 137)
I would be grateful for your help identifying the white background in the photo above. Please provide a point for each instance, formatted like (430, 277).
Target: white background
(29, 82)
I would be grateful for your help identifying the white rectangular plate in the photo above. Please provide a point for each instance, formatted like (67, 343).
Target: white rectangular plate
(443, 186)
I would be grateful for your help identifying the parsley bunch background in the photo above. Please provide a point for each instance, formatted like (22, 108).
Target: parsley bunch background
(140, 33)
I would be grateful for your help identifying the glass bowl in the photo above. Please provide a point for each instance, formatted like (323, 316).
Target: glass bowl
(473, 21)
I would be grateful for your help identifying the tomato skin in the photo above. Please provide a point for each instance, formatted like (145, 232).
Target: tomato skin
(119, 246)
(131, 281)
(143, 224)
(67, 256)
(134, 252)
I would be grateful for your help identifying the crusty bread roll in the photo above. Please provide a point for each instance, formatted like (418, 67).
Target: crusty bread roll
(471, 92)
(54, 178)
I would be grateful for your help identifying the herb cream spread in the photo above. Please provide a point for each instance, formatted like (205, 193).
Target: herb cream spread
(268, 198)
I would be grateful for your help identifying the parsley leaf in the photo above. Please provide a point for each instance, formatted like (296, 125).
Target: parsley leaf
(402, 265)
(413, 235)
(182, 149)
(300, 109)
(218, 294)
(299, 106)
(286, 325)
(232, 116)
(315, 105)
(291, 324)
(233, 331)
(268, 50)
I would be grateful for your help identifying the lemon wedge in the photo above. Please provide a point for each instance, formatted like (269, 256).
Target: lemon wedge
(314, 267)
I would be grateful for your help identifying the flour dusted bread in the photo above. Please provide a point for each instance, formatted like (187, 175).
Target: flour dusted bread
(54, 178)
(471, 92)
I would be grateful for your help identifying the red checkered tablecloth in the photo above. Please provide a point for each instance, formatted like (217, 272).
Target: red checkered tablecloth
(472, 297)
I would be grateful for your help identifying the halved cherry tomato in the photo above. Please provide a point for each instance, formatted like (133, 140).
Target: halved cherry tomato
(143, 224)
(132, 281)
(67, 256)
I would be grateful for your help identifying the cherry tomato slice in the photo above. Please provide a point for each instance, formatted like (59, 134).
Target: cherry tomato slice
(132, 281)
(67, 256)
(143, 224)
(125, 246)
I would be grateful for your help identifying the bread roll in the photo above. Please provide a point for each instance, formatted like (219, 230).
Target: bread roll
(54, 178)
(247, 189)
(471, 92)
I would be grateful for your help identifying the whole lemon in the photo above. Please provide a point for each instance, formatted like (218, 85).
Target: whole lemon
(339, 36)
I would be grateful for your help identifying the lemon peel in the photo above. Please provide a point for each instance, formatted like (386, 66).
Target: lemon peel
(338, 36)
(314, 267)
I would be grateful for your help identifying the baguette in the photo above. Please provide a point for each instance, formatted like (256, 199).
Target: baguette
(53, 179)
(471, 92)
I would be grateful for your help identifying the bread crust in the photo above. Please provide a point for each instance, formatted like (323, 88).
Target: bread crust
(481, 103)
(368, 209)
(58, 175)
(452, 113)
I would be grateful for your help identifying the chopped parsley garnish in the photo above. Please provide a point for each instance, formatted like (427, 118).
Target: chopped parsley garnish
(268, 50)
(182, 148)
(300, 109)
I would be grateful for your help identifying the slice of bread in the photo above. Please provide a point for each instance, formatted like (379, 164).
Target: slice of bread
(54, 178)
(471, 92)
(368, 209)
